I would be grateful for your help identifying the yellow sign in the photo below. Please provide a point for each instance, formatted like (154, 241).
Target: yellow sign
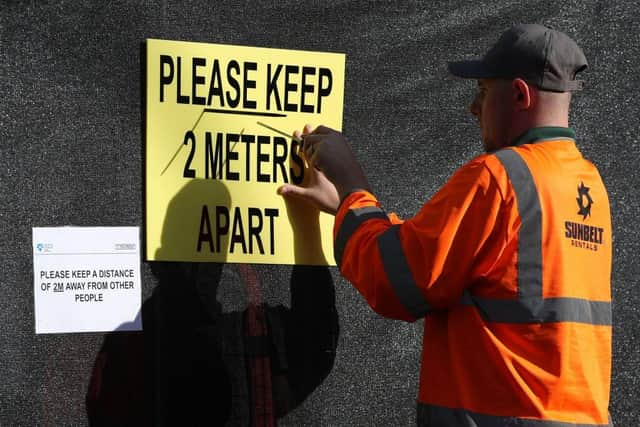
(217, 149)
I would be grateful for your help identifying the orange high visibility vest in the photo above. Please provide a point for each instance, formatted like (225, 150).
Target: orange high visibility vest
(509, 264)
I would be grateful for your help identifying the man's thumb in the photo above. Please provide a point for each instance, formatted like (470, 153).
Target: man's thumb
(289, 190)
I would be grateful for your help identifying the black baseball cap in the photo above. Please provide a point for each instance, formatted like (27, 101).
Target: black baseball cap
(541, 56)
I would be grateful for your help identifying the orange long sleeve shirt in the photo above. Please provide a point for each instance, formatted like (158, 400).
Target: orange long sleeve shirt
(509, 263)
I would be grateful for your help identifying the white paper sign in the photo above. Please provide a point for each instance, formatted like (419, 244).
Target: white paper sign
(86, 279)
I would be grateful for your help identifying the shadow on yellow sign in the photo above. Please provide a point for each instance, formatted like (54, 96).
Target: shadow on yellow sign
(225, 230)
(179, 236)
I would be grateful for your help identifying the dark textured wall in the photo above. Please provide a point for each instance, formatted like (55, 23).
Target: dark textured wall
(71, 154)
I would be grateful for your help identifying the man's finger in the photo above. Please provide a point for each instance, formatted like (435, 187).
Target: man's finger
(322, 130)
(289, 190)
(311, 139)
(312, 155)
(310, 148)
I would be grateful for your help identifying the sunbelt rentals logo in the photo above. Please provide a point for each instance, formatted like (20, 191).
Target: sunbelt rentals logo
(584, 235)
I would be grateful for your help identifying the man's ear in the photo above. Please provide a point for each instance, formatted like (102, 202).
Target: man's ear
(522, 94)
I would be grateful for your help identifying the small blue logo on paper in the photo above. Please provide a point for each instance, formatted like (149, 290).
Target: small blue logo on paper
(44, 247)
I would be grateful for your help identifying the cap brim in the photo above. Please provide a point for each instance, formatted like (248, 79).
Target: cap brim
(475, 69)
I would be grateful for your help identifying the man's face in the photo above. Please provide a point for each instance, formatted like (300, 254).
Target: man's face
(493, 108)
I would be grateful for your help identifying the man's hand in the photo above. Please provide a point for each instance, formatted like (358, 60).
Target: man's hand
(334, 171)
(318, 191)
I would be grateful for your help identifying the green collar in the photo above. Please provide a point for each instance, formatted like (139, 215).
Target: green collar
(544, 133)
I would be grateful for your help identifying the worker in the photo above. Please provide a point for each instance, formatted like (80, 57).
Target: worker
(509, 263)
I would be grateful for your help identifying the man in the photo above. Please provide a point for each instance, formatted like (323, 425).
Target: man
(509, 263)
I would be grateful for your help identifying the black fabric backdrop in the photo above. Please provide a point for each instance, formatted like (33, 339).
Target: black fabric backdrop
(72, 154)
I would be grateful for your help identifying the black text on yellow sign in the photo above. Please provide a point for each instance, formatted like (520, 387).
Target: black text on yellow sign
(233, 84)
(276, 159)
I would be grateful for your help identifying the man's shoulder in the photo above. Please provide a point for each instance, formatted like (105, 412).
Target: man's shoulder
(485, 171)
(482, 163)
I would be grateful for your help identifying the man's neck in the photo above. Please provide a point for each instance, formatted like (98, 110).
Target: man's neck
(532, 121)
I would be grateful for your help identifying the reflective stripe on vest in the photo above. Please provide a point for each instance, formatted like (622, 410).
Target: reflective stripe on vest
(393, 260)
(531, 307)
(440, 416)
(399, 274)
(351, 222)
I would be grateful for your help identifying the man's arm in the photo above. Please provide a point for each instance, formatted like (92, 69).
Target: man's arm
(405, 270)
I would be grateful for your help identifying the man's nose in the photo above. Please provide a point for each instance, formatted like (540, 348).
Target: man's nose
(474, 108)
